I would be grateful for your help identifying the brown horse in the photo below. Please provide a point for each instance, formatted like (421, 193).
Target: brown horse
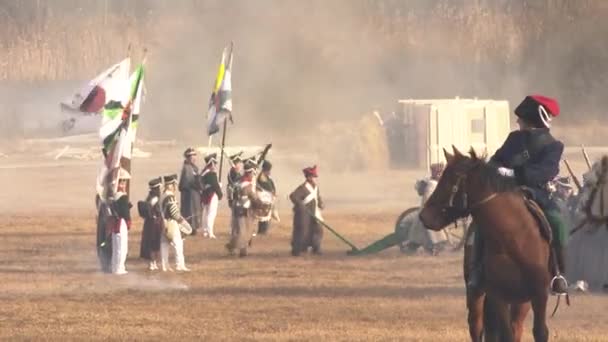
(515, 254)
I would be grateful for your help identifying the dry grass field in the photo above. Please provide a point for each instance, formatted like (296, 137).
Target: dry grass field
(51, 288)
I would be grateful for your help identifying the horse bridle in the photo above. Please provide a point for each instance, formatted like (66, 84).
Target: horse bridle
(464, 210)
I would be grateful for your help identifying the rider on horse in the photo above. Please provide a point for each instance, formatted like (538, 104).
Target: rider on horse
(531, 156)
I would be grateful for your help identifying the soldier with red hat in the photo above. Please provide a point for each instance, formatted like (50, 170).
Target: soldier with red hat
(531, 156)
(307, 202)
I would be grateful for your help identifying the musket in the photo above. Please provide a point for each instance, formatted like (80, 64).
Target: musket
(579, 226)
(586, 156)
(263, 154)
(576, 182)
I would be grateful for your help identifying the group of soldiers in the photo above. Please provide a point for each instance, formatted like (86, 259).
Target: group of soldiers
(251, 194)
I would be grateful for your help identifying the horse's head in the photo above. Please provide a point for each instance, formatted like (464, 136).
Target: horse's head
(450, 200)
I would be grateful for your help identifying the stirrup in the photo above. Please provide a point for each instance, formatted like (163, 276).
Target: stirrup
(559, 277)
(559, 294)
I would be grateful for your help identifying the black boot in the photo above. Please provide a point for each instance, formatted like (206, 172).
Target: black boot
(559, 284)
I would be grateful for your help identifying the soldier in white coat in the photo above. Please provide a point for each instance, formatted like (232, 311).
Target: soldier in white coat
(171, 235)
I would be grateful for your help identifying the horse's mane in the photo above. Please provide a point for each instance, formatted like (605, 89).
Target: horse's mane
(489, 175)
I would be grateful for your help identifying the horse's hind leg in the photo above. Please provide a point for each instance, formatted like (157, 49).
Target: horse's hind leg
(475, 303)
(518, 315)
(539, 307)
(498, 320)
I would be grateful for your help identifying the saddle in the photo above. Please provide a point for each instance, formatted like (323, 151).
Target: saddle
(539, 216)
(546, 232)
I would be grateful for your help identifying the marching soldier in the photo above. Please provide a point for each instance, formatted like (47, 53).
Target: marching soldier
(190, 191)
(234, 177)
(150, 211)
(171, 234)
(267, 193)
(307, 232)
(243, 211)
(121, 224)
(531, 157)
(212, 194)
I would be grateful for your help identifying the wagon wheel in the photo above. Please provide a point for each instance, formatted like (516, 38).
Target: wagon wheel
(404, 246)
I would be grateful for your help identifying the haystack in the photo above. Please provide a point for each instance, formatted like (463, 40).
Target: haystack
(359, 145)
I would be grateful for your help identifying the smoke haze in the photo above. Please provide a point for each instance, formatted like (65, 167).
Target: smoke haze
(301, 62)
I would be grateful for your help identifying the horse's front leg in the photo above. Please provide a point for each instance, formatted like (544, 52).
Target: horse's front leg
(518, 316)
(539, 307)
(475, 301)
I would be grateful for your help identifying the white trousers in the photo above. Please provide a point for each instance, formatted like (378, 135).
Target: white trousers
(209, 214)
(120, 246)
(178, 248)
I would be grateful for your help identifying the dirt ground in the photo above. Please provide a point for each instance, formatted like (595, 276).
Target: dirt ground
(52, 290)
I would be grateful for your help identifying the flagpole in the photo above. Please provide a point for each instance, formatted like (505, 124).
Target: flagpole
(222, 150)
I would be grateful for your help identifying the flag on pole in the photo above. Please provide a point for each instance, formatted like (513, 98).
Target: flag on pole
(119, 125)
(220, 103)
(91, 97)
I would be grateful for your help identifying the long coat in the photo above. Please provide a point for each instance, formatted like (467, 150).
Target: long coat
(153, 224)
(307, 232)
(190, 195)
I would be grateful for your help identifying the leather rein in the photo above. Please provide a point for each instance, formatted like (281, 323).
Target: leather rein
(466, 209)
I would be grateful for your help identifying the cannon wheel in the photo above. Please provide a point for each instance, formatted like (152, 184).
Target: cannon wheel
(456, 233)
(405, 246)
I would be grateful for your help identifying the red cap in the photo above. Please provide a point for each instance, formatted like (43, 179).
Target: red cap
(550, 104)
(311, 171)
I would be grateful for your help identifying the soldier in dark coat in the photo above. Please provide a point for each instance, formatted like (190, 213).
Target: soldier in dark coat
(307, 232)
(190, 191)
(267, 192)
(531, 157)
(121, 223)
(150, 211)
(234, 177)
(211, 195)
